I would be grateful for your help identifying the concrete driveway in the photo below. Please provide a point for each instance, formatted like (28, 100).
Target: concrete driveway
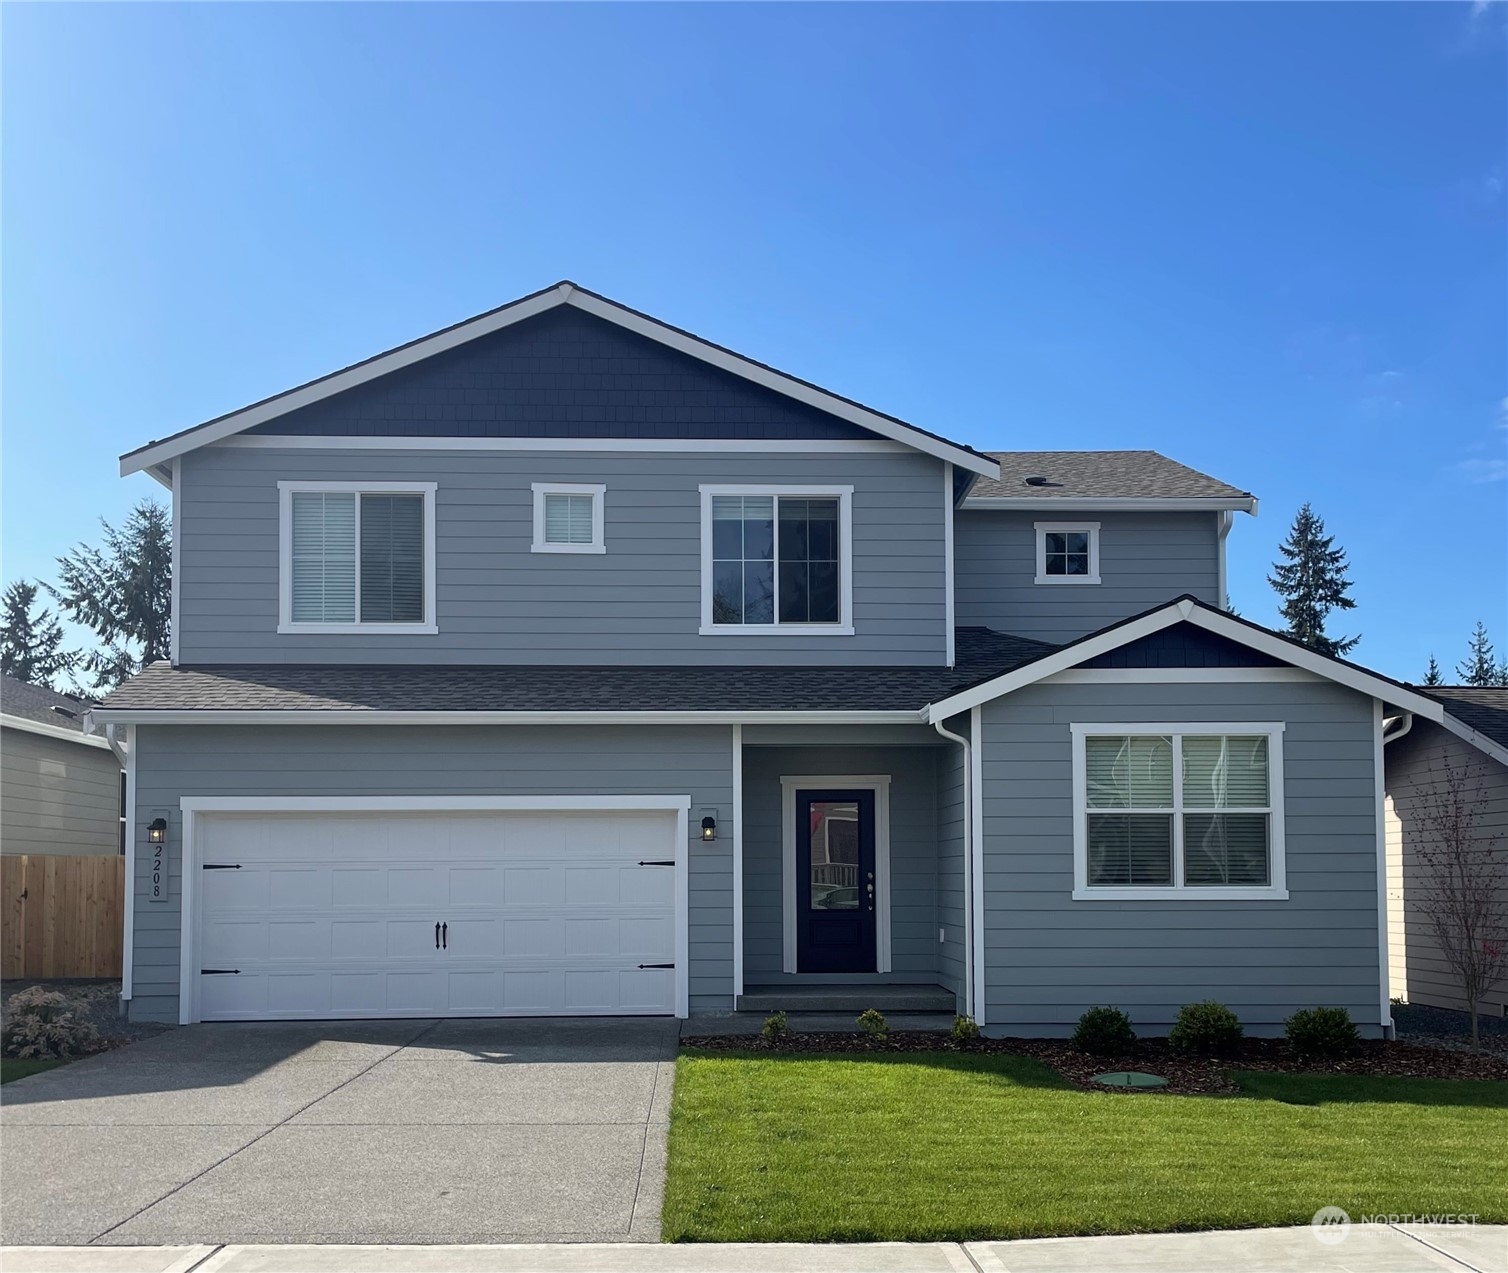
(450, 1131)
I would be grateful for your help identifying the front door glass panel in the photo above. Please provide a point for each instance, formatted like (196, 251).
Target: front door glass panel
(835, 883)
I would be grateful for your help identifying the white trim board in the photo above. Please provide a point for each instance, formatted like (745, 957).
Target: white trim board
(195, 807)
(1091, 533)
(1122, 503)
(189, 716)
(60, 732)
(879, 784)
(595, 491)
(1379, 783)
(563, 293)
(591, 446)
(1276, 888)
(1467, 734)
(1188, 611)
(1181, 676)
(949, 607)
(738, 861)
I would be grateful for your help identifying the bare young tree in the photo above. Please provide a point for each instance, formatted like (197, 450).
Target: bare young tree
(1463, 894)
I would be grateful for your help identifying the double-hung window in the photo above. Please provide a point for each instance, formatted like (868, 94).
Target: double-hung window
(357, 556)
(1068, 552)
(1187, 811)
(777, 559)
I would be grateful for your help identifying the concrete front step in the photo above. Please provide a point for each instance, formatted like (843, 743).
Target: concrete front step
(846, 998)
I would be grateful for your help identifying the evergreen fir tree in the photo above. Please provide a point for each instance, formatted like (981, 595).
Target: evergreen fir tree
(1432, 673)
(1480, 668)
(31, 642)
(1312, 582)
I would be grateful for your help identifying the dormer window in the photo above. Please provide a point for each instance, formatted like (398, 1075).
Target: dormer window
(1068, 552)
(777, 560)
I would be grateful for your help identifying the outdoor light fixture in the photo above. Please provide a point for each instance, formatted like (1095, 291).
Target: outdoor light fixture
(709, 829)
(157, 831)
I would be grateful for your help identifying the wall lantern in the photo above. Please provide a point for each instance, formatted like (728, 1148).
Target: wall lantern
(157, 831)
(709, 829)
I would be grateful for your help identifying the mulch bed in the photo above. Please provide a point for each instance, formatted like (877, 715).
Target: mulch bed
(1186, 1075)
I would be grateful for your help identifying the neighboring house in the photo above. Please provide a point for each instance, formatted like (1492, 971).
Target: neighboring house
(60, 789)
(564, 662)
(1472, 742)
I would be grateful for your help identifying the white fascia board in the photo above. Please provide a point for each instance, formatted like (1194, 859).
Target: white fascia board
(1213, 621)
(432, 804)
(318, 717)
(590, 446)
(1084, 504)
(1467, 734)
(60, 732)
(600, 307)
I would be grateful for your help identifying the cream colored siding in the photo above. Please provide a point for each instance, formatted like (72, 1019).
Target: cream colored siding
(57, 796)
(1414, 763)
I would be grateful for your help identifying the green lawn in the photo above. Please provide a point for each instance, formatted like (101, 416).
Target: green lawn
(12, 1069)
(939, 1145)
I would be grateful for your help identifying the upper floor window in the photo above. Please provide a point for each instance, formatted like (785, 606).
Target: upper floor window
(777, 559)
(567, 518)
(357, 556)
(1068, 552)
(1165, 812)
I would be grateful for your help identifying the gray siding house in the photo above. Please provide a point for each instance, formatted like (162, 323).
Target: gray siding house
(564, 662)
(1423, 759)
(62, 788)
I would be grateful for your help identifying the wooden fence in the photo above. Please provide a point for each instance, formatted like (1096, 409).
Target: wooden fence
(61, 916)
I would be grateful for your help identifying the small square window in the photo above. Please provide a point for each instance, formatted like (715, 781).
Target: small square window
(1068, 552)
(567, 518)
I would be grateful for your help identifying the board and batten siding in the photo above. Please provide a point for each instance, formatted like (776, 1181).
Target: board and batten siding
(476, 760)
(1146, 559)
(497, 601)
(60, 797)
(1416, 765)
(1048, 958)
(913, 854)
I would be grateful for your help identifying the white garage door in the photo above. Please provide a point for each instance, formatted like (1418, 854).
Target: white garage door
(455, 914)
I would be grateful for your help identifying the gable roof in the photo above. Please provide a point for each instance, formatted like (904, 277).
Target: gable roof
(1477, 714)
(1103, 479)
(1189, 609)
(159, 452)
(35, 709)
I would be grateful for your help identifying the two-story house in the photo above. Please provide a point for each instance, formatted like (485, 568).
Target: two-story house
(564, 662)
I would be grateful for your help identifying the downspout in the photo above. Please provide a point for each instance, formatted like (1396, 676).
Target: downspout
(125, 753)
(968, 865)
(1408, 723)
(1225, 521)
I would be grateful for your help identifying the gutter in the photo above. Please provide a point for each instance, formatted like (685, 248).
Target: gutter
(968, 857)
(315, 716)
(1225, 521)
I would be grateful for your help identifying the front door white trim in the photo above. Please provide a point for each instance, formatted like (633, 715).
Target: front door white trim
(880, 785)
(194, 807)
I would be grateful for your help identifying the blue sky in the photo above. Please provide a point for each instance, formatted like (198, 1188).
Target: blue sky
(1268, 240)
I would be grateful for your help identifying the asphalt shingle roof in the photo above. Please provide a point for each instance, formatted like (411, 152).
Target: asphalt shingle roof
(981, 654)
(1484, 710)
(1099, 475)
(36, 702)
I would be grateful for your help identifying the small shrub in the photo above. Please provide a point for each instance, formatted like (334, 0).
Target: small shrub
(965, 1029)
(775, 1027)
(872, 1022)
(43, 1027)
(1104, 1032)
(1208, 1028)
(1321, 1032)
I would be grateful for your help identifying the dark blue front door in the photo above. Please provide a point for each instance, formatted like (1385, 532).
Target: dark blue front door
(835, 881)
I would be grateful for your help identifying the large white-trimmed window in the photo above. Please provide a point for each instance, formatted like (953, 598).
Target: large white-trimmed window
(1068, 552)
(1166, 812)
(568, 518)
(777, 560)
(357, 557)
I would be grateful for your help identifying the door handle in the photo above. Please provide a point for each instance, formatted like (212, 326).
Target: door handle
(437, 934)
(445, 935)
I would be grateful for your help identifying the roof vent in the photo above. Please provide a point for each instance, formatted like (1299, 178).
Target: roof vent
(1035, 479)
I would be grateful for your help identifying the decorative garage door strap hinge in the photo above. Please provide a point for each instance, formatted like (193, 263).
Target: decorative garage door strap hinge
(657, 862)
(219, 972)
(656, 965)
(222, 866)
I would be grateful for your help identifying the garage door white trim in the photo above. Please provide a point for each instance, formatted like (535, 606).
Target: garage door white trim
(194, 807)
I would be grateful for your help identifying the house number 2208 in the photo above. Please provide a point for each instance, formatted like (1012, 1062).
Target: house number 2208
(159, 891)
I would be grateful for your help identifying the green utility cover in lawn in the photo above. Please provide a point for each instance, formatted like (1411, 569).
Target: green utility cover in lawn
(1130, 1078)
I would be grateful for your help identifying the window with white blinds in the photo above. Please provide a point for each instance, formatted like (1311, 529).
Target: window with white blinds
(1178, 811)
(568, 518)
(357, 557)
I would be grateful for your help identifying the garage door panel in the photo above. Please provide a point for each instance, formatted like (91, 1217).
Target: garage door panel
(334, 915)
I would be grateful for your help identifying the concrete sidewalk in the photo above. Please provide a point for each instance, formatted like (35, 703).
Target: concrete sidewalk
(1459, 1248)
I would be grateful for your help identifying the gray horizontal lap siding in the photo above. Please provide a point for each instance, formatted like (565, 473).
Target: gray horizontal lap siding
(498, 602)
(913, 850)
(174, 762)
(59, 797)
(1048, 957)
(951, 864)
(1145, 559)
